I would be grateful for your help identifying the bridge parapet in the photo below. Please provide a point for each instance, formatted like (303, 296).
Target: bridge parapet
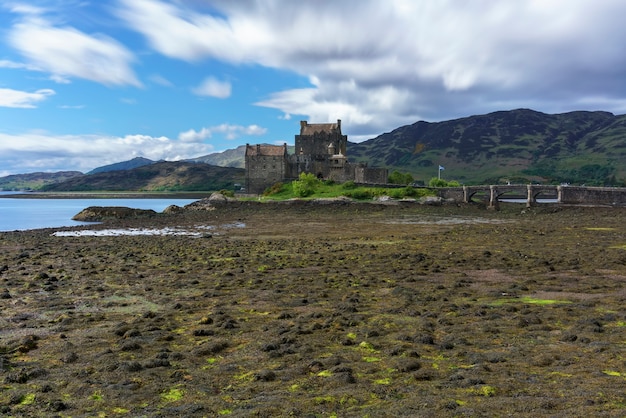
(615, 196)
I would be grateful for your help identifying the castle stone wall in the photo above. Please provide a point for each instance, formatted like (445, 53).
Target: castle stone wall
(375, 175)
(263, 171)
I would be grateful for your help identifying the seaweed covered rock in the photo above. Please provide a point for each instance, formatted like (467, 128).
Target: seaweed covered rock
(102, 213)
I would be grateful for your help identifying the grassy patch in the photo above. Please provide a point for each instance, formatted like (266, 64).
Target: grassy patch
(529, 300)
(27, 399)
(172, 395)
(316, 189)
(484, 390)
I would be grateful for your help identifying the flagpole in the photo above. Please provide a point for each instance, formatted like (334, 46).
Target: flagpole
(439, 173)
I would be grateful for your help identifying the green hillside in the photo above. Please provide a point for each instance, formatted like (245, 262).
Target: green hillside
(518, 145)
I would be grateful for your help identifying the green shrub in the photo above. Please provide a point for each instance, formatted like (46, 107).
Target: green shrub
(349, 185)
(436, 182)
(227, 193)
(361, 194)
(410, 191)
(400, 178)
(306, 185)
(274, 189)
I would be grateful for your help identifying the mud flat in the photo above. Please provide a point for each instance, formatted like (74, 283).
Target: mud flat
(334, 309)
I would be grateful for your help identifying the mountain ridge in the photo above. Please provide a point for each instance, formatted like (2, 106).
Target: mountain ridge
(123, 165)
(159, 176)
(519, 144)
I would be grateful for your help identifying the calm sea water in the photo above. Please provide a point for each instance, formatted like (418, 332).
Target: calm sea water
(21, 214)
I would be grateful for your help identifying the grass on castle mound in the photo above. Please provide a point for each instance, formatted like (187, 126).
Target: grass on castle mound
(333, 309)
(310, 187)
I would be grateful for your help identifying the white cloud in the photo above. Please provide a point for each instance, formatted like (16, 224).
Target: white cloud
(384, 63)
(17, 65)
(67, 52)
(22, 8)
(23, 99)
(229, 131)
(160, 80)
(36, 151)
(195, 136)
(213, 88)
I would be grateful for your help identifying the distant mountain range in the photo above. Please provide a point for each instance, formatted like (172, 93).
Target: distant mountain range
(519, 146)
(229, 158)
(34, 181)
(124, 165)
(159, 176)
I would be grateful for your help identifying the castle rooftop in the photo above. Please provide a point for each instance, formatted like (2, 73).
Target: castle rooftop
(312, 128)
(266, 150)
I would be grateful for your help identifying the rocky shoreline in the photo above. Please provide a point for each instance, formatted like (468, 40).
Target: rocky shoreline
(319, 309)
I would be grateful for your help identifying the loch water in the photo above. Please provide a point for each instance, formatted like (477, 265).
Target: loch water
(25, 213)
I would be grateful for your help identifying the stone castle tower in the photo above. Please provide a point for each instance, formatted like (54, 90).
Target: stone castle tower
(320, 149)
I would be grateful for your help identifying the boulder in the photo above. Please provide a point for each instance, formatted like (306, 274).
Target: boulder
(431, 200)
(217, 197)
(171, 209)
(102, 213)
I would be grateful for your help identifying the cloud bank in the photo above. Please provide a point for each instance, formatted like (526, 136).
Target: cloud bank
(66, 52)
(45, 152)
(381, 64)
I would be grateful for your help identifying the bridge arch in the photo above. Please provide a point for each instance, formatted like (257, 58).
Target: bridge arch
(495, 193)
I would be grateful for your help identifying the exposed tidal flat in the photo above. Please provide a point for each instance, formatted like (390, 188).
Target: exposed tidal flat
(319, 309)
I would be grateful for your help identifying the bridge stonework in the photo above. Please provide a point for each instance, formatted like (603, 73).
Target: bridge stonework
(581, 195)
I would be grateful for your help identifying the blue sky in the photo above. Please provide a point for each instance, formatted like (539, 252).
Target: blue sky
(88, 83)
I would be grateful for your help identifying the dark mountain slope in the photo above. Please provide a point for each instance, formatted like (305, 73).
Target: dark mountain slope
(162, 176)
(124, 165)
(513, 144)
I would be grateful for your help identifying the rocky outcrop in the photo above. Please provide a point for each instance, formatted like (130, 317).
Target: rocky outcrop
(209, 203)
(102, 213)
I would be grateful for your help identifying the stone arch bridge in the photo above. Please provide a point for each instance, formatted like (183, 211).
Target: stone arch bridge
(615, 196)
